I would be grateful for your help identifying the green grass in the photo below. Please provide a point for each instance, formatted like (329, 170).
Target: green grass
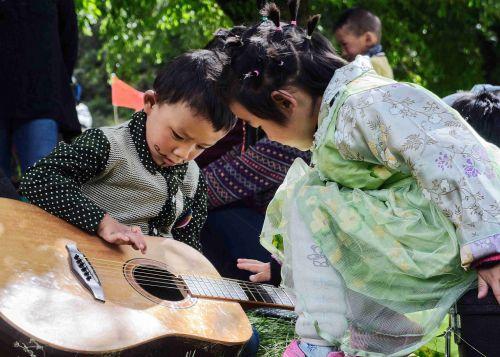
(276, 334)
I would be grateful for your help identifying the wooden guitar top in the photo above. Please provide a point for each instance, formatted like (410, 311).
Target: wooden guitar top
(41, 296)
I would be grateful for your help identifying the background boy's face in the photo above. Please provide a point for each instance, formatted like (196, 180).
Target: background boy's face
(176, 134)
(351, 44)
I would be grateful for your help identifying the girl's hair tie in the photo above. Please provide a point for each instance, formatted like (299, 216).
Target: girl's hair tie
(293, 6)
(311, 25)
(254, 73)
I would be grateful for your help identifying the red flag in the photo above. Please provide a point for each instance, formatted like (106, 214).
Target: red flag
(124, 95)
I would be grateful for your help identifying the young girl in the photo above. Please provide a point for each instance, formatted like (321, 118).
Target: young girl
(402, 197)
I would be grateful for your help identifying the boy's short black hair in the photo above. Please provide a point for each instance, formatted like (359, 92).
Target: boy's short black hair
(482, 112)
(359, 21)
(192, 78)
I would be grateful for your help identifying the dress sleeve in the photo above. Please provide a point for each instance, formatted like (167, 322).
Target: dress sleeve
(190, 234)
(54, 183)
(410, 130)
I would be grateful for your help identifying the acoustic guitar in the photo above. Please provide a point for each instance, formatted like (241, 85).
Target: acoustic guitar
(64, 292)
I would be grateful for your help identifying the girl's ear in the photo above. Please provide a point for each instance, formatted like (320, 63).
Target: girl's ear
(285, 101)
(150, 99)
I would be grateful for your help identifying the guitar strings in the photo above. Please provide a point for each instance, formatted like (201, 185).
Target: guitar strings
(119, 265)
(207, 289)
(204, 286)
(255, 290)
(215, 283)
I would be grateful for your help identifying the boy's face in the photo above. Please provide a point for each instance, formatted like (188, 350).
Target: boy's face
(175, 134)
(351, 44)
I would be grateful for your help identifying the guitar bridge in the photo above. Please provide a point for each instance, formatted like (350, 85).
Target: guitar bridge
(85, 272)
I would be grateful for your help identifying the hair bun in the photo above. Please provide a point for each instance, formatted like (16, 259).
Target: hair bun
(293, 6)
(272, 12)
(312, 23)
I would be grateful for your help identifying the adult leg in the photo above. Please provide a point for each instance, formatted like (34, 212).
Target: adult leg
(5, 151)
(480, 324)
(230, 233)
(7, 189)
(34, 140)
(252, 346)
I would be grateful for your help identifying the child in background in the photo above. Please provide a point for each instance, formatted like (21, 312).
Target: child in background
(482, 111)
(138, 178)
(359, 32)
(478, 310)
(402, 195)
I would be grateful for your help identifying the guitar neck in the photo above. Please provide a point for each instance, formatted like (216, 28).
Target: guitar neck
(238, 290)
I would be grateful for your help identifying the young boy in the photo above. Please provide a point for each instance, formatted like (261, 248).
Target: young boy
(138, 177)
(359, 32)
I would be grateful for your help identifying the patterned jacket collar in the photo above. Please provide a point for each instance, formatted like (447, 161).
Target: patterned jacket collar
(339, 81)
(137, 126)
(346, 74)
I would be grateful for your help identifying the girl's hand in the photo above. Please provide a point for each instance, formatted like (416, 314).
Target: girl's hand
(489, 277)
(262, 269)
(114, 232)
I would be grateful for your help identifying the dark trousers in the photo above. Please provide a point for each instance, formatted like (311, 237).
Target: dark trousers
(480, 324)
(230, 233)
(7, 190)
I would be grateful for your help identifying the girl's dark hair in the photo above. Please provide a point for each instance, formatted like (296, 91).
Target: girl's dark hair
(221, 35)
(192, 78)
(482, 112)
(270, 55)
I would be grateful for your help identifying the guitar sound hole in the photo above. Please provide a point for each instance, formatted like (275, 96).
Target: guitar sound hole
(158, 282)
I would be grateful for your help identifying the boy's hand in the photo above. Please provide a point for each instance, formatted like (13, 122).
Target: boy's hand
(114, 232)
(489, 277)
(262, 269)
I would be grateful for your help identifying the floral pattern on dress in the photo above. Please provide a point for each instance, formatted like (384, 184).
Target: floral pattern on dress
(408, 129)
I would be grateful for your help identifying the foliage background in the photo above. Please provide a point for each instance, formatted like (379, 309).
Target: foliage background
(445, 45)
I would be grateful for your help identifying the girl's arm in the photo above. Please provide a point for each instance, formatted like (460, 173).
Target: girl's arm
(408, 129)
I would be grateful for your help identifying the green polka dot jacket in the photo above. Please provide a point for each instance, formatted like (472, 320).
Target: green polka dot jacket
(110, 170)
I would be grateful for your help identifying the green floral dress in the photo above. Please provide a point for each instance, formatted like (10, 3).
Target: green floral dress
(401, 196)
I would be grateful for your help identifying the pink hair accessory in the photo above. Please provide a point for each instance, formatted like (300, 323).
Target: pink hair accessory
(293, 23)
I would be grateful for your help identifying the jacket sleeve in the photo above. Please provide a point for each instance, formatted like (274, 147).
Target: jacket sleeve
(409, 129)
(238, 175)
(54, 183)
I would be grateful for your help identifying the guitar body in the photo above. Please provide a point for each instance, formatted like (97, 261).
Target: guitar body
(45, 310)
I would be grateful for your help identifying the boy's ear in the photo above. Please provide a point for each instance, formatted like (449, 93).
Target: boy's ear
(371, 38)
(285, 101)
(150, 99)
